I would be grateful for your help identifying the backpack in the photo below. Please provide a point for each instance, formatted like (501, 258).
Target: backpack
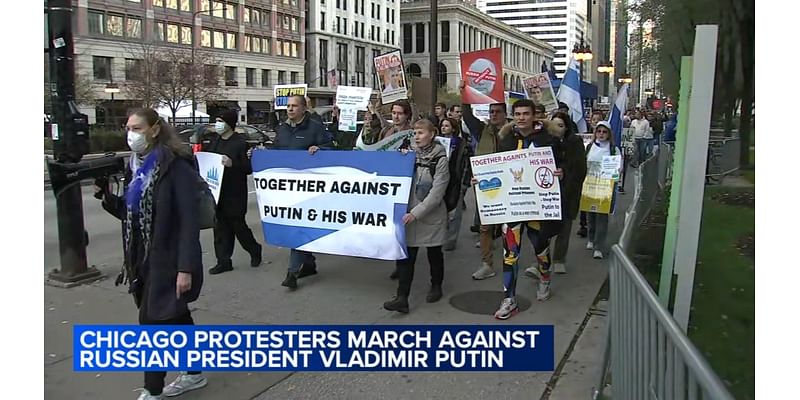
(457, 167)
(206, 205)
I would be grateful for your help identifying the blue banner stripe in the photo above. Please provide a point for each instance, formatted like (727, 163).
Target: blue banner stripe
(385, 163)
(292, 237)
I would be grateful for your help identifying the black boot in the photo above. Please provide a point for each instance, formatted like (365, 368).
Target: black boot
(398, 303)
(582, 232)
(394, 274)
(307, 269)
(255, 257)
(220, 268)
(435, 294)
(290, 281)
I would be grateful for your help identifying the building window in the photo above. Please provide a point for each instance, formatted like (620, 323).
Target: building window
(186, 35)
(219, 40)
(408, 42)
(205, 38)
(322, 21)
(210, 75)
(266, 45)
(392, 42)
(445, 35)
(323, 62)
(344, 4)
(172, 33)
(133, 69)
(387, 14)
(345, 25)
(341, 62)
(362, 30)
(265, 78)
(230, 43)
(250, 77)
(360, 66)
(375, 53)
(97, 23)
(338, 24)
(281, 77)
(172, 4)
(114, 25)
(230, 76)
(392, 16)
(420, 36)
(186, 5)
(295, 77)
(102, 68)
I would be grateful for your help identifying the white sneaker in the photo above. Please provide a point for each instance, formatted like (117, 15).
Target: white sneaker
(589, 245)
(559, 268)
(543, 291)
(485, 271)
(507, 309)
(598, 255)
(145, 395)
(184, 383)
(533, 272)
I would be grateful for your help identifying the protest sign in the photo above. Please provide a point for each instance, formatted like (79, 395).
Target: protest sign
(352, 97)
(391, 143)
(511, 98)
(445, 142)
(211, 169)
(517, 185)
(389, 68)
(539, 89)
(333, 202)
(481, 111)
(282, 93)
(598, 192)
(348, 118)
(610, 167)
(628, 142)
(483, 73)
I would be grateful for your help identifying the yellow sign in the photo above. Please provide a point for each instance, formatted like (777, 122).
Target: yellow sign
(598, 192)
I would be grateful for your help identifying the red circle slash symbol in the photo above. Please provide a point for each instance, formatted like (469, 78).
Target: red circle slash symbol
(544, 177)
(479, 77)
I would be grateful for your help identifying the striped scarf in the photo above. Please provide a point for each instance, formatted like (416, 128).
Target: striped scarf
(139, 205)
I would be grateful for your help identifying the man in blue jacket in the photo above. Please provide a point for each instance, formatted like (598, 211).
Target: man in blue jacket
(300, 132)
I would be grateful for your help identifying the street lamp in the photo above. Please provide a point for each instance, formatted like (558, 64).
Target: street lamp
(606, 68)
(582, 53)
(112, 88)
(625, 79)
(648, 92)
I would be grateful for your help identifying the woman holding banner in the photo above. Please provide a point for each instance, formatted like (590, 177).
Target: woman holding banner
(602, 146)
(426, 220)
(162, 261)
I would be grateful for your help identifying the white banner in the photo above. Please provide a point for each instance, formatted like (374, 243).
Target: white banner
(517, 185)
(348, 203)
(348, 118)
(391, 143)
(481, 111)
(353, 97)
(211, 169)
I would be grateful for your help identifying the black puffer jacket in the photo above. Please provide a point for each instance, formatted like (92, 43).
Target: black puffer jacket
(302, 136)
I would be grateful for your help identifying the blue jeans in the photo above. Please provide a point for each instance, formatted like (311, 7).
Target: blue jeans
(649, 145)
(298, 258)
(641, 150)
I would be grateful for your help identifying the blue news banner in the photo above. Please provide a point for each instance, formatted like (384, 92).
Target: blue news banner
(313, 348)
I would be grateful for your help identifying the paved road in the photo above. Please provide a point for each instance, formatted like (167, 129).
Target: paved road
(347, 290)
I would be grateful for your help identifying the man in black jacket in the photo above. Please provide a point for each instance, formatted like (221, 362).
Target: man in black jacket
(300, 132)
(232, 205)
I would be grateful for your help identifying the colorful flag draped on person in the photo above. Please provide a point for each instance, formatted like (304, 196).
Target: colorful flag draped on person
(615, 118)
(570, 93)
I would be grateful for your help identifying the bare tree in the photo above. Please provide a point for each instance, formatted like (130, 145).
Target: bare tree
(166, 76)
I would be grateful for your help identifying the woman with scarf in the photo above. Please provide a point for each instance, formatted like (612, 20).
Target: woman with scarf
(426, 220)
(602, 145)
(162, 257)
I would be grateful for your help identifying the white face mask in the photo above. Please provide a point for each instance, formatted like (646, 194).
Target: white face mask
(137, 142)
(220, 126)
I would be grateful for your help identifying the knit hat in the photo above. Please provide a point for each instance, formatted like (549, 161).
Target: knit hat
(604, 124)
(230, 117)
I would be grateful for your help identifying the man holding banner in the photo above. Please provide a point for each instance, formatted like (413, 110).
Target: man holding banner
(300, 133)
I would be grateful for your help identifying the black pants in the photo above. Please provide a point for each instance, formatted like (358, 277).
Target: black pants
(154, 380)
(405, 268)
(583, 219)
(228, 227)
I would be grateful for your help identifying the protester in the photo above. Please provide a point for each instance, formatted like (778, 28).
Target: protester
(439, 114)
(456, 113)
(527, 132)
(162, 261)
(602, 145)
(564, 108)
(597, 116)
(401, 119)
(670, 128)
(427, 216)
(574, 167)
(657, 128)
(372, 126)
(232, 204)
(626, 119)
(487, 143)
(300, 133)
(641, 134)
(539, 112)
(459, 161)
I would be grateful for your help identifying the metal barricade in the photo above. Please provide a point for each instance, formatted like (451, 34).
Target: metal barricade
(723, 158)
(651, 358)
(648, 355)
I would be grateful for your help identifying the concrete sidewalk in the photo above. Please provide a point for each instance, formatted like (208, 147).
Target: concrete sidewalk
(346, 291)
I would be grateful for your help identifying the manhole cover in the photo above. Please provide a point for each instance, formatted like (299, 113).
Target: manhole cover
(484, 302)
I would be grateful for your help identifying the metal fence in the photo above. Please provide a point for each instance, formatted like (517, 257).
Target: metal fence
(647, 354)
(723, 158)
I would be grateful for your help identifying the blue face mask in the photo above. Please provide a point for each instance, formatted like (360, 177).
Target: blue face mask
(220, 127)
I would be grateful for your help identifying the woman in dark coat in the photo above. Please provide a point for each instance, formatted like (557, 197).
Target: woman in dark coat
(162, 257)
